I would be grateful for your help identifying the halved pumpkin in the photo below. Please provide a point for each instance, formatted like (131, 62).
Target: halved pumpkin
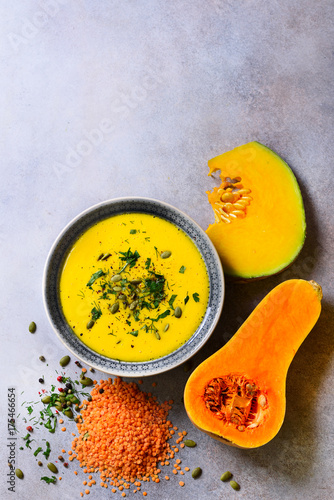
(237, 395)
(259, 224)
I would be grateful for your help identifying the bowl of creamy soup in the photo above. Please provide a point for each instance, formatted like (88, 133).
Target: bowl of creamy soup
(133, 287)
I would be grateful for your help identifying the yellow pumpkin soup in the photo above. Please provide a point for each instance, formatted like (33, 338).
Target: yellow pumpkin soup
(134, 287)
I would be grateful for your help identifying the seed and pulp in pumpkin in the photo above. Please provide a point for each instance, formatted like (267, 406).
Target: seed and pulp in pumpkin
(259, 226)
(238, 394)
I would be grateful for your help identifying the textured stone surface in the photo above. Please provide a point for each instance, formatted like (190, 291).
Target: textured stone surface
(108, 99)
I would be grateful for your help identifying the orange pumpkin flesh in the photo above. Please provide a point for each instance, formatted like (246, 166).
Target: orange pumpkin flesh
(238, 394)
(259, 224)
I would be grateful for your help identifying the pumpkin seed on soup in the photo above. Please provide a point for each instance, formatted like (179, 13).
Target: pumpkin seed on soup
(166, 254)
(178, 312)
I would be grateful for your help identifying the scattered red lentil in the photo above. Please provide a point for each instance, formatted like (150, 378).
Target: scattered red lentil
(181, 483)
(61, 421)
(187, 469)
(167, 478)
(63, 429)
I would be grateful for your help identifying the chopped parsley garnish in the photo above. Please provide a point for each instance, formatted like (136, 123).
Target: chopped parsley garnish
(147, 263)
(133, 231)
(134, 333)
(129, 257)
(36, 452)
(28, 440)
(186, 299)
(182, 269)
(171, 300)
(196, 297)
(95, 276)
(96, 312)
(49, 480)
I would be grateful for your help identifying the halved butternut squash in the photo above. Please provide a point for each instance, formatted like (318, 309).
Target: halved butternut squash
(238, 394)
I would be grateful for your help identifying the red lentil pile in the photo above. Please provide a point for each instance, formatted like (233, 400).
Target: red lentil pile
(123, 434)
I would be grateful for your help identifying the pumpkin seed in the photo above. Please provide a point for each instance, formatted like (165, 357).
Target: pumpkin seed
(235, 485)
(121, 296)
(262, 400)
(178, 312)
(52, 467)
(58, 406)
(166, 254)
(74, 399)
(106, 256)
(86, 381)
(157, 335)
(135, 282)
(190, 443)
(90, 324)
(196, 472)
(32, 329)
(116, 278)
(117, 289)
(166, 327)
(227, 197)
(46, 400)
(64, 361)
(114, 308)
(68, 412)
(226, 476)
(100, 256)
(19, 473)
(133, 305)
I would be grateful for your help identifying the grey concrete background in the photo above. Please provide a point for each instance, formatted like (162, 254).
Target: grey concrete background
(107, 99)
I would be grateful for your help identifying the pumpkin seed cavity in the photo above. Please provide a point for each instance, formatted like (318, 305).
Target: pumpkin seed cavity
(237, 401)
(232, 200)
